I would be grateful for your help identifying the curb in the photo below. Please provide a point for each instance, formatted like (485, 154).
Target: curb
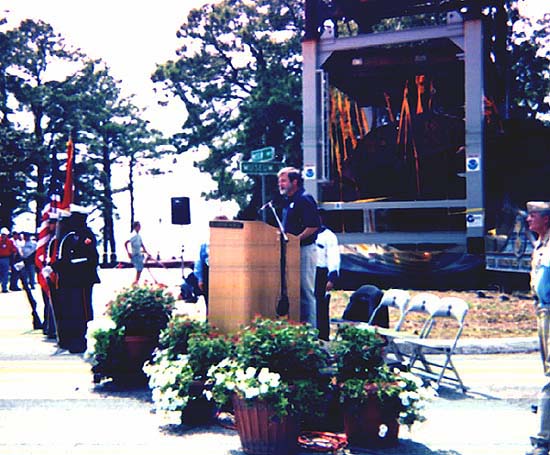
(497, 345)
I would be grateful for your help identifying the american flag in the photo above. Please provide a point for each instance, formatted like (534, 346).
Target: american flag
(56, 204)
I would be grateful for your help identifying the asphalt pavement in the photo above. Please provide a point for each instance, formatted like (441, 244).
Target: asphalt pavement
(49, 404)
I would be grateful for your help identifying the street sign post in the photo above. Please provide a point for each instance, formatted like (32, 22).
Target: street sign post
(261, 167)
(263, 154)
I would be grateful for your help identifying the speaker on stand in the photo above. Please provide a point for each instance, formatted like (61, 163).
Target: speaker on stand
(181, 214)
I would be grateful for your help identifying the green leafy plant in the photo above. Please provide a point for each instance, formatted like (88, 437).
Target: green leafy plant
(142, 310)
(251, 384)
(178, 380)
(290, 351)
(174, 339)
(105, 348)
(362, 375)
(288, 348)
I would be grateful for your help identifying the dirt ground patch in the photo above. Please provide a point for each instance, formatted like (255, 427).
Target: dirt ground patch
(492, 314)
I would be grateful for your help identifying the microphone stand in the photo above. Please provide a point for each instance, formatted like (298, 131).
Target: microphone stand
(283, 303)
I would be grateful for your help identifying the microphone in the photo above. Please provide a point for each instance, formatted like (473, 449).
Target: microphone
(267, 204)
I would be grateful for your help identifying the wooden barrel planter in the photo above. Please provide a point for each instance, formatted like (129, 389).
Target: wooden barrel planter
(262, 432)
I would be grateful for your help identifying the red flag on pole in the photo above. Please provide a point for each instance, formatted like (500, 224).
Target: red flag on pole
(52, 208)
(68, 189)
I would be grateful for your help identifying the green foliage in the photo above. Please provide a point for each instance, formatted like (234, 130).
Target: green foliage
(287, 348)
(358, 352)
(178, 379)
(174, 339)
(530, 56)
(277, 361)
(142, 310)
(105, 351)
(362, 375)
(206, 350)
(83, 101)
(239, 74)
(251, 384)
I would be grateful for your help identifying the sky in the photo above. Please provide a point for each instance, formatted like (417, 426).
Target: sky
(132, 36)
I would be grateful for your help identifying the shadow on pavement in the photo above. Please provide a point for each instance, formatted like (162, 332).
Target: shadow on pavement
(136, 391)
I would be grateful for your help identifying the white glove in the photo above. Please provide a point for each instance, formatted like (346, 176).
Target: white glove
(47, 271)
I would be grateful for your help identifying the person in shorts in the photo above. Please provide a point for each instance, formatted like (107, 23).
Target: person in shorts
(136, 250)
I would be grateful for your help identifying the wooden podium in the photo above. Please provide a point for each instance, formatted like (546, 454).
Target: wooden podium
(244, 275)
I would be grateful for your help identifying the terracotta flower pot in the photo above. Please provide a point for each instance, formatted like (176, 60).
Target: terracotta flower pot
(372, 424)
(139, 348)
(263, 433)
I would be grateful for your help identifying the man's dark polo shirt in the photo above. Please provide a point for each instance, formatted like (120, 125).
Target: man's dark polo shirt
(300, 212)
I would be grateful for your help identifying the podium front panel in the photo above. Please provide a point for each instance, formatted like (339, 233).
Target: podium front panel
(244, 274)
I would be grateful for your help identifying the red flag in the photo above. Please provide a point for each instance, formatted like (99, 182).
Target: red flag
(68, 190)
(56, 203)
(44, 237)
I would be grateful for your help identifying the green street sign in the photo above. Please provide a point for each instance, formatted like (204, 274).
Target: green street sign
(265, 154)
(261, 168)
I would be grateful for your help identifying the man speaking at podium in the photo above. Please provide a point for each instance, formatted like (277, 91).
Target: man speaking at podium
(301, 219)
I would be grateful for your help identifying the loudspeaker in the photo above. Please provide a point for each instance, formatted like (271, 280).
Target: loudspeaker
(180, 210)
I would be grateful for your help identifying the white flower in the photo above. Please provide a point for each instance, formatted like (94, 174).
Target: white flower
(208, 394)
(240, 375)
(382, 431)
(250, 372)
(251, 392)
(264, 375)
(264, 388)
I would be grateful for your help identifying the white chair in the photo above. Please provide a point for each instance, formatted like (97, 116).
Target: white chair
(398, 341)
(393, 298)
(424, 303)
(426, 352)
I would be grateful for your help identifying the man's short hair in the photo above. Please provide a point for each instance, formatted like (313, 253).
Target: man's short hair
(292, 173)
(136, 224)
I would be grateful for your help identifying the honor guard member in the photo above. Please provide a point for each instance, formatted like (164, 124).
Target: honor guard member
(538, 221)
(76, 265)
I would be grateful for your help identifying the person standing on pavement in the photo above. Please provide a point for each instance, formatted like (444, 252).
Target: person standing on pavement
(136, 251)
(300, 218)
(76, 264)
(28, 250)
(16, 272)
(538, 221)
(8, 251)
(328, 268)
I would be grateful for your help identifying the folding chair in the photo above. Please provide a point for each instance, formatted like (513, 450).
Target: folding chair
(423, 350)
(393, 298)
(398, 340)
(424, 303)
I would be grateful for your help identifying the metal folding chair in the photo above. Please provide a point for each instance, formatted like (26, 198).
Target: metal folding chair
(393, 298)
(423, 303)
(398, 339)
(426, 352)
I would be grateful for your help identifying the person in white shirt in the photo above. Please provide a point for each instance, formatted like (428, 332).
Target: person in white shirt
(135, 249)
(328, 269)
